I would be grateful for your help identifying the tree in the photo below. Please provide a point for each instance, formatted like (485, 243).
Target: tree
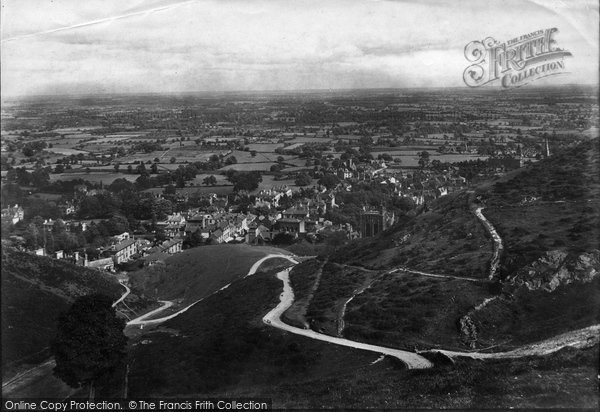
(59, 168)
(59, 227)
(117, 166)
(423, 159)
(33, 236)
(89, 345)
(283, 238)
(231, 160)
(253, 153)
(244, 180)
(209, 180)
(141, 169)
(385, 156)
(28, 151)
(170, 190)
(40, 177)
(329, 181)
(173, 159)
(303, 179)
(180, 182)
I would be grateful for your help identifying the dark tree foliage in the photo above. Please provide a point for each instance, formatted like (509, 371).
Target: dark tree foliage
(89, 345)
(303, 179)
(329, 181)
(244, 180)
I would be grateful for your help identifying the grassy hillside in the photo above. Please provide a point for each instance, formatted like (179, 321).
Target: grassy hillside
(221, 348)
(337, 284)
(35, 290)
(528, 316)
(446, 239)
(548, 216)
(222, 344)
(404, 310)
(197, 272)
(551, 205)
(564, 380)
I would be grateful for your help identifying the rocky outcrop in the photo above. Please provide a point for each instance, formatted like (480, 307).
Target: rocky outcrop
(556, 268)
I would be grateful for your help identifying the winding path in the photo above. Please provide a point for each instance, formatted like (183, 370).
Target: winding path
(433, 275)
(498, 247)
(273, 318)
(581, 338)
(143, 320)
(341, 323)
(122, 298)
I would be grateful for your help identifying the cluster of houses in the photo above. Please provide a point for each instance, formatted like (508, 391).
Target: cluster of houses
(123, 248)
(221, 225)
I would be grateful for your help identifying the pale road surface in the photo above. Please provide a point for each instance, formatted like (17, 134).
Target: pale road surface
(8, 383)
(433, 275)
(341, 324)
(167, 304)
(582, 338)
(412, 360)
(122, 298)
(498, 247)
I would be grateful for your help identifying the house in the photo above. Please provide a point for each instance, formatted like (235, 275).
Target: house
(344, 173)
(67, 208)
(271, 197)
(104, 264)
(174, 225)
(296, 213)
(171, 246)
(198, 221)
(48, 225)
(217, 236)
(123, 236)
(291, 225)
(123, 251)
(258, 234)
(13, 214)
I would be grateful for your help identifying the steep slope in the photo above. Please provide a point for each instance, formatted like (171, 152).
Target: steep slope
(547, 216)
(448, 238)
(198, 272)
(35, 290)
(220, 347)
(222, 343)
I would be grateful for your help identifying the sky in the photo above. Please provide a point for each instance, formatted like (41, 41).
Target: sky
(108, 46)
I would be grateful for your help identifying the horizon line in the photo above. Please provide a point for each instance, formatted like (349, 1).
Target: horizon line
(290, 91)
